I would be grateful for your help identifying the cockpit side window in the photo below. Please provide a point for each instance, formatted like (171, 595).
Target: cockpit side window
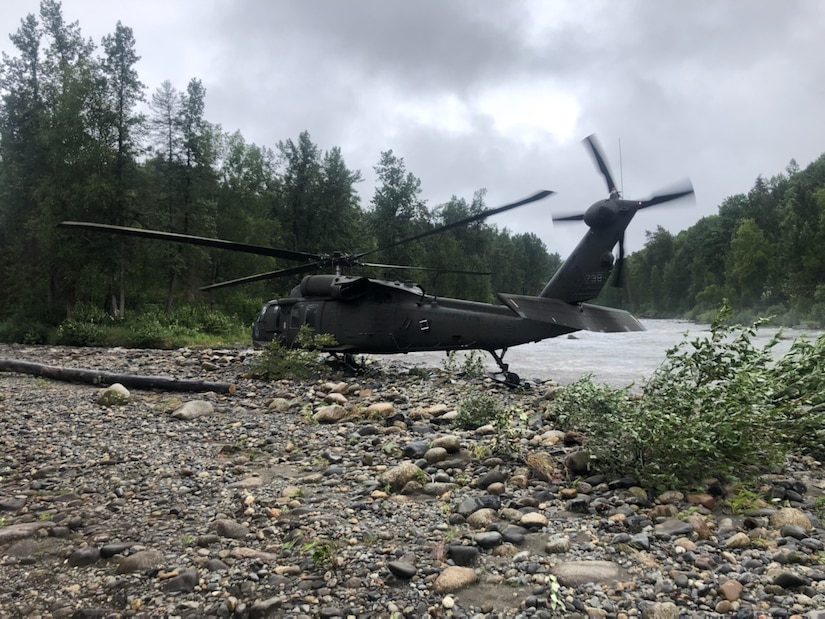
(311, 316)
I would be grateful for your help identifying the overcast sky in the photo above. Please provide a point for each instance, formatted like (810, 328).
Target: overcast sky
(499, 94)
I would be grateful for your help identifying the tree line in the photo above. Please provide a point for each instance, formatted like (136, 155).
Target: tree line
(764, 251)
(80, 140)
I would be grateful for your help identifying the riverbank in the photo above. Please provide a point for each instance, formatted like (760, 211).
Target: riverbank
(357, 496)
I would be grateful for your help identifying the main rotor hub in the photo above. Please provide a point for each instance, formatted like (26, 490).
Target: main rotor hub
(601, 214)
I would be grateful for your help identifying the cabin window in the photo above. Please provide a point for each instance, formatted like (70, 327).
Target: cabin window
(311, 316)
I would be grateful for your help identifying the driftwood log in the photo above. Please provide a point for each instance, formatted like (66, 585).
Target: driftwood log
(98, 377)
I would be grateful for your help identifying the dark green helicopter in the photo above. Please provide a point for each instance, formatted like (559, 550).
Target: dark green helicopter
(375, 316)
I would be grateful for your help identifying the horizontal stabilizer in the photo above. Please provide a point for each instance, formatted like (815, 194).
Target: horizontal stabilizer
(583, 316)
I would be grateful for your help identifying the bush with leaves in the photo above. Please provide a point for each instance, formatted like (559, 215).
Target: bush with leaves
(604, 415)
(300, 360)
(717, 406)
(86, 327)
(477, 411)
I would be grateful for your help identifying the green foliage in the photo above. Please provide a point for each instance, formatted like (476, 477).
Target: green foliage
(763, 250)
(744, 501)
(471, 365)
(152, 328)
(554, 598)
(299, 361)
(322, 554)
(86, 327)
(477, 411)
(604, 415)
(25, 331)
(717, 406)
(483, 409)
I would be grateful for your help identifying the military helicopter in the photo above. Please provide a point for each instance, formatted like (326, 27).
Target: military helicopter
(375, 316)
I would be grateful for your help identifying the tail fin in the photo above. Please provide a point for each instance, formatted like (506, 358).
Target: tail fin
(585, 272)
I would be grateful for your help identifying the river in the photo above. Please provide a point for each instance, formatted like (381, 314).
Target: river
(617, 359)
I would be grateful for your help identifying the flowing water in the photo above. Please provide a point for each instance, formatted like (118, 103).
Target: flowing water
(618, 359)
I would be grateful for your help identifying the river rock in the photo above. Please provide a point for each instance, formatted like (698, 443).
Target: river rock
(399, 476)
(114, 395)
(193, 409)
(575, 573)
(454, 578)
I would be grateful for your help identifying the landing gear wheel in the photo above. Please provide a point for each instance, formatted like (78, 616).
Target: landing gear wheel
(511, 379)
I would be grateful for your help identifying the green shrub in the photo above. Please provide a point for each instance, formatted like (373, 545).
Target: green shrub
(477, 411)
(605, 416)
(299, 361)
(25, 331)
(85, 327)
(717, 406)
(471, 365)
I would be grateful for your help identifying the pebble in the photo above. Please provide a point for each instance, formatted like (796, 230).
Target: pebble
(349, 496)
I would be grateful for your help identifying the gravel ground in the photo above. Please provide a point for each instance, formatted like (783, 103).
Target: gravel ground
(356, 496)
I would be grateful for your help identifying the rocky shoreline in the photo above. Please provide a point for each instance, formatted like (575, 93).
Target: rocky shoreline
(357, 496)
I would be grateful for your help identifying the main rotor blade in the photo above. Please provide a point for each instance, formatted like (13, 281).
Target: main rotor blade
(540, 195)
(596, 151)
(409, 268)
(578, 217)
(304, 268)
(193, 240)
(686, 189)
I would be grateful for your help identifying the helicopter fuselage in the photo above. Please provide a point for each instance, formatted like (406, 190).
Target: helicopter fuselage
(367, 315)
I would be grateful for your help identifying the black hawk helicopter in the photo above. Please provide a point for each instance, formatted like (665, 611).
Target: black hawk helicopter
(375, 316)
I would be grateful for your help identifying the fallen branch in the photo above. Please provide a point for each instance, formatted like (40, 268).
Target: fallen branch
(97, 377)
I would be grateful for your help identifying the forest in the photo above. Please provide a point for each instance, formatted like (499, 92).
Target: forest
(82, 138)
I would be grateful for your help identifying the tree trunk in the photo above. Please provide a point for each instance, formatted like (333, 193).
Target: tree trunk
(97, 377)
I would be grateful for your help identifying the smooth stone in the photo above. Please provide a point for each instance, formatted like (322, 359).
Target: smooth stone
(229, 528)
(462, 555)
(140, 561)
(184, 581)
(193, 409)
(488, 539)
(402, 569)
(454, 578)
(575, 573)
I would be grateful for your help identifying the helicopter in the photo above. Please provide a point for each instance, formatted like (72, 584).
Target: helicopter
(365, 315)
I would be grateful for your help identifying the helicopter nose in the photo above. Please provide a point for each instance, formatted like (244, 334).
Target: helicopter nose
(600, 214)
